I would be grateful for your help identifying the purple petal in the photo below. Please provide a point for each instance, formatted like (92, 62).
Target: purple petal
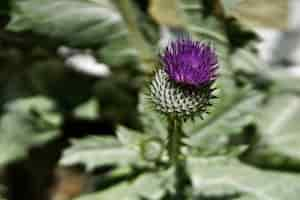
(190, 62)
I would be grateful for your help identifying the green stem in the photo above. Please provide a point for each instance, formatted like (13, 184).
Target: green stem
(174, 140)
(174, 145)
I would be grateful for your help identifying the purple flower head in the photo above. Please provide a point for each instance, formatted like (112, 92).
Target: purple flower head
(190, 62)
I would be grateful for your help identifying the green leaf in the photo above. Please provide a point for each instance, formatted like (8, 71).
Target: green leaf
(88, 110)
(263, 13)
(208, 27)
(154, 185)
(222, 177)
(115, 192)
(166, 12)
(150, 185)
(150, 147)
(279, 128)
(246, 60)
(95, 20)
(132, 19)
(96, 23)
(230, 114)
(28, 122)
(129, 137)
(41, 106)
(96, 151)
(129, 148)
(153, 122)
(228, 5)
(111, 25)
(284, 80)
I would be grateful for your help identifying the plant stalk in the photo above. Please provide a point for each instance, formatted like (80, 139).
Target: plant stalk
(174, 140)
(174, 145)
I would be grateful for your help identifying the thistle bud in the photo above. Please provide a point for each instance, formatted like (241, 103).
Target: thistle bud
(182, 87)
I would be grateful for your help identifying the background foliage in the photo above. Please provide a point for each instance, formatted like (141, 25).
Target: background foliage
(245, 149)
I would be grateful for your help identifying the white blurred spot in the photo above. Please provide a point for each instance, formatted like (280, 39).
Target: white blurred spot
(294, 15)
(269, 41)
(294, 71)
(83, 62)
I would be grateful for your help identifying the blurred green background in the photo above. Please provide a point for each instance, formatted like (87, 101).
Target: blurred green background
(74, 119)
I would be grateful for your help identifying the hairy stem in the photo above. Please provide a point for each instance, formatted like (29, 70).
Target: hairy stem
(174, 145)
(174, 140)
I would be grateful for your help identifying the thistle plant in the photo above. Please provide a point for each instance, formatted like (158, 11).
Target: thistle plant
(183, 87)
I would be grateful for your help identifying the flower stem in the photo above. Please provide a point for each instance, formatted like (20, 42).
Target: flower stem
(174, 140)
(174, 145)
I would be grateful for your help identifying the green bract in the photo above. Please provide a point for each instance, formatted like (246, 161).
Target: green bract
(178, 100)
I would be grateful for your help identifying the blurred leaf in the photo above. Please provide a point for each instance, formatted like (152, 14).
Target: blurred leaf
(26, 105)
(88, 29)
(95, 151)
(279, 128)
(129, 137)
(263, 13)
(112, 193)
(88, 110)
(129, 148)
(133, 19)
(285, 80)
(151, 146)
(153, 185)
(150, 185)
(247, 60)
(228, 5)
(28, 123)
(228, 117)
(166, 12)
(219, 177)
(41, 106)
(98, 23)
(153, 122)
(200, 23)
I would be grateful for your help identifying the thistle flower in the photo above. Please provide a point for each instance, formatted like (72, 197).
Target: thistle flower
(183, 85)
